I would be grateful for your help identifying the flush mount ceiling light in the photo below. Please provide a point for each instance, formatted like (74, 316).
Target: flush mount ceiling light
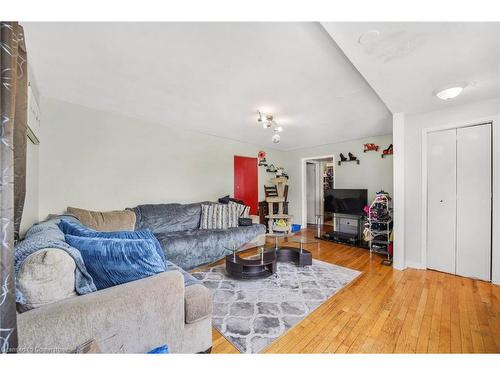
(450, 92)
(369, 37)
(267, 122)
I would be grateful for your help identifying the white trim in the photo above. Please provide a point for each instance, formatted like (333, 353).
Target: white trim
(495, 121)
(317, 186)
(303, 183)
(415, 265)
(398, 167)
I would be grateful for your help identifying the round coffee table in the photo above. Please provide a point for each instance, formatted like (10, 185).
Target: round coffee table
(299, 256)
(252, 266)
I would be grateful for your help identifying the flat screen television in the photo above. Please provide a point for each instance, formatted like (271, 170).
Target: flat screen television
(346, 201)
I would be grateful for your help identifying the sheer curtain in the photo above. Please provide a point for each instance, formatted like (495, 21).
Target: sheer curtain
(13, 112)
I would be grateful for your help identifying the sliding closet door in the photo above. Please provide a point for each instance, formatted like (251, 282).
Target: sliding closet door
(474, 202)
(441, 200)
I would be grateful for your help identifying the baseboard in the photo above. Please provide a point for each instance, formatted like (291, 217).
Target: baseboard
(419, 266)
(415, 265)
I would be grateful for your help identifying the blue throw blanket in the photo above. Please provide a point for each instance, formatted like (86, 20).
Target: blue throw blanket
(48, 235)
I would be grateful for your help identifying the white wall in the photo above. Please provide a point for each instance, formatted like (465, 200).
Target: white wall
(31, 204)
(414, 125)
(373, 173)
(104, 161)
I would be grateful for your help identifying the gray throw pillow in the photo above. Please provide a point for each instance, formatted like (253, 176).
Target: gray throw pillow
(46, 276)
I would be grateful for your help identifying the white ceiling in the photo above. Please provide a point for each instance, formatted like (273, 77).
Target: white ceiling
(410, 61)
(211, 77)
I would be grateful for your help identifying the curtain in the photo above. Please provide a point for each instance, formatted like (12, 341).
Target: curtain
(13, 113)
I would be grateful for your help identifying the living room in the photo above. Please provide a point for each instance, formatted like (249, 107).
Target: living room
(250, 187)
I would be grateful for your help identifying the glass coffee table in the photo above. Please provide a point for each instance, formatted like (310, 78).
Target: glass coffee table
(261, 262)
(257, 263)
(299, 256)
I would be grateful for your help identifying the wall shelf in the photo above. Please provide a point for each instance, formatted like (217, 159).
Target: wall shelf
(348, 161)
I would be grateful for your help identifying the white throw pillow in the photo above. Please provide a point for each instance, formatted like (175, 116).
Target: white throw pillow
(214, 216)
(236, 211)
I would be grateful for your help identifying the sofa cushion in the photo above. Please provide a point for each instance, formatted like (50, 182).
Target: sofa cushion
(192, 248)
(113, 261)
(105, 221)
(46, 276)
(172, 217)
(198, 303)
(214, 216)
(76, 229)
(241, 209)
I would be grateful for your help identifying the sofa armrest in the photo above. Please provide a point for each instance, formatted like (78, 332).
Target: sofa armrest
(132, 318)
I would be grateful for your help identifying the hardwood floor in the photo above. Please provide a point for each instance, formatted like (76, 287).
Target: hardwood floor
(390, 311)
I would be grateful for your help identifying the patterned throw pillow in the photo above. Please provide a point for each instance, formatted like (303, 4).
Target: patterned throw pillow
(233, 214)
(214, 216)
(245, 212)
(236, 211)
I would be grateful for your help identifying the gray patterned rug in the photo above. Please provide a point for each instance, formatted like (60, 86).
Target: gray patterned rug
(252, 314)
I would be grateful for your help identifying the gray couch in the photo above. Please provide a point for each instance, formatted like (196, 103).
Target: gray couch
(129, 318)
(177, 228)
(138, 316)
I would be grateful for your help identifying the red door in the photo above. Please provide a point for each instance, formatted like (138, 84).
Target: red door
(246, 182)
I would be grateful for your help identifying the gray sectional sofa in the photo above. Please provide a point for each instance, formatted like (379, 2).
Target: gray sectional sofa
(138, 316)
(177, 228)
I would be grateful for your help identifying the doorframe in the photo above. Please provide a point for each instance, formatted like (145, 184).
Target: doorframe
(495, 205)
(317, 195)
(304, 183)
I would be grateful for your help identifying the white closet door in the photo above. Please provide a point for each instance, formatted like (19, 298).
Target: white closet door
(441, 200)
(474, 202)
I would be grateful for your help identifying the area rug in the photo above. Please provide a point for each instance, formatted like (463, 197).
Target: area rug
(251, 314)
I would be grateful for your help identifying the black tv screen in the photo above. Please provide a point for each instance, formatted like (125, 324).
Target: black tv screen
(346, 201)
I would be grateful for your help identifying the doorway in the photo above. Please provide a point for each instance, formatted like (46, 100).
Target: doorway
(318, 179)
(246, 182)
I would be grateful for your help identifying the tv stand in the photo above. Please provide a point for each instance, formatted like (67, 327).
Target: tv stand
(347, 229)
(342, 237)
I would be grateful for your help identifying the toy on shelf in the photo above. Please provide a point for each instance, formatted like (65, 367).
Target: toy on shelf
(388, 151)
(262, 159)
(343, 159)
(279, 222)
(370, 147)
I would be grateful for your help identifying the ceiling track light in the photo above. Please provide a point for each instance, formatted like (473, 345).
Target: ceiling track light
(267, 122)
(276, 137)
